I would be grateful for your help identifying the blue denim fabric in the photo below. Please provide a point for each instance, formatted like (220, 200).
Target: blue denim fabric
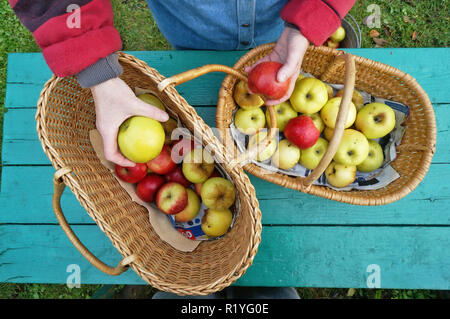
(218, 24)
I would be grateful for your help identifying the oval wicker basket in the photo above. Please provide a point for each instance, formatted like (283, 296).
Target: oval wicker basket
(418, 144)
(65, 115)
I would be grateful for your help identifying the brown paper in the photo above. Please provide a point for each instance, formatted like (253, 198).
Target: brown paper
(159, 220)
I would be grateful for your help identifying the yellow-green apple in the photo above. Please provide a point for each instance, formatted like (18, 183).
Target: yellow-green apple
(198, 165)
(262, 79)
(244, 99)
(284, 112)
(299, 77)
(264, 152)
(198, 186)
(329, 90)
(218, 193)
(192, 208)
(140, 139)
(163, 163)
(176, 175)
(302, 131)
(216, 222)
(171, 198)
(182, 147)
(332, 44)
(309, 95)
(286, 156)
(311, 156)
(318, 122)
(328, 133)
(340, 175)
(357, 98)
(152, 99)
(374, 159)
(131, 174)
(353, 149)
(147, 188)
(249, 121)
(169, 126)
(338, 35)
(331, 109)
(375, 120)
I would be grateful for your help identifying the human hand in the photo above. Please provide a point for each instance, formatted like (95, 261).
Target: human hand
(114, 103)
(289, 51)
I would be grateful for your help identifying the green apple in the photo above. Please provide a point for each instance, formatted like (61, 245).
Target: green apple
(353, 149)
(318, 122)
(374, 159)
(197, 165)
(244, 99)
(340, 175)
(264, 153)
(338, 35)
(312, 156)
(216, 222)
(309, 95)
(152, 99)
(140, 139)
(286, 156)
(284, 112)
(375, 120)
(218, 193)
(249, 121)
(191, 210)
(330, 112)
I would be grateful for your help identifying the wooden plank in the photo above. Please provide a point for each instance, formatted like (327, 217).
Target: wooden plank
(404, 257)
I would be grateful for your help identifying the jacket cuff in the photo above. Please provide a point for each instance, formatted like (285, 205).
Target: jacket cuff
(101, 71)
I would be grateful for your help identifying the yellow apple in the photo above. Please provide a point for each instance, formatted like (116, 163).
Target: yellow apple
(338, 35)
(140, 139)
(340, 175)
(374, 159)
(192, 208)
(330, 91)
(197, 165)
(353, 149)
(284, 112)
(286, 156)
(249, 121)
(216, 222)
(375, 120)
(309, 95)
(318, 122)
(312, 156)
(328, 133)
(244, 99)
(218, 193)
(330, 112)
(169, 126)
(264, 153)
(152, 99)
(357, 98)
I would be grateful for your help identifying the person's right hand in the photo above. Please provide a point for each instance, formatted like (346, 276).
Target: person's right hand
(114, 103)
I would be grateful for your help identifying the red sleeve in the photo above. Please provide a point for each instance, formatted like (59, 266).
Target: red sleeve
(70, 40)
(316, 19)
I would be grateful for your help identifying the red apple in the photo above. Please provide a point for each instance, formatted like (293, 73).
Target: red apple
(171, 198)
(180, 148)
(176, 175)
(146, 189)
(131, 174)
(163, 163)
(262, 79)
(301, 131)
(198, 186)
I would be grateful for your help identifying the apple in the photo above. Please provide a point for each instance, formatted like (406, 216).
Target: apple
(216, 222)
(264, 153)
(375, 120)
(338, 35)
(171, 198)
(301, 131)
(333, 45)
(312, 156)
(262, 79)
(357, 98)
(191, 210)
(329, 90)
(169, 126)
(198, 165)
(309, 95)
(374, 159)
(299, 77)
(331, 109)
(140, 139)
(132, 174)
(198, 186)
(152, 99)
(353, 148)
(249, 121)
(218, 193)
(328, 133)
(176, 175)
(180, 148)
(286, 156)
(147, 188)
(340, 175)
(318, 122)
(283, 112)
(163, 163)
(244, 99)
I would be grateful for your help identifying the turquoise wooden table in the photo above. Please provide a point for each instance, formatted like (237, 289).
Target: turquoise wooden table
(306, 241)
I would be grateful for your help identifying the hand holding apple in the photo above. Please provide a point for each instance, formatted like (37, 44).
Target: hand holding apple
(262, 79)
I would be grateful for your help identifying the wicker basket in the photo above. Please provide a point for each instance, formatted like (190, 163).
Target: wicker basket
(65, 115)
(418, 144)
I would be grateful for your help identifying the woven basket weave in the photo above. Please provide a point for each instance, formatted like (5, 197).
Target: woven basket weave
(415, 152)
(65, 115)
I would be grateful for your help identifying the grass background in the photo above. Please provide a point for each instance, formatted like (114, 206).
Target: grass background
(404, 23)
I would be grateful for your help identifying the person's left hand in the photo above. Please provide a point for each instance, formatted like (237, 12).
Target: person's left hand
(289, 51)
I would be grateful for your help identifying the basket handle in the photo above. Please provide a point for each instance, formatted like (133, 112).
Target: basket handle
(58, 189)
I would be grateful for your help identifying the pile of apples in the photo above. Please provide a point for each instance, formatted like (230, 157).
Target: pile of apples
(307, 121)
(334, 41)
(178, 176)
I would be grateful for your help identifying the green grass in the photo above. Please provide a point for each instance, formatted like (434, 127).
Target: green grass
(139, 32)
